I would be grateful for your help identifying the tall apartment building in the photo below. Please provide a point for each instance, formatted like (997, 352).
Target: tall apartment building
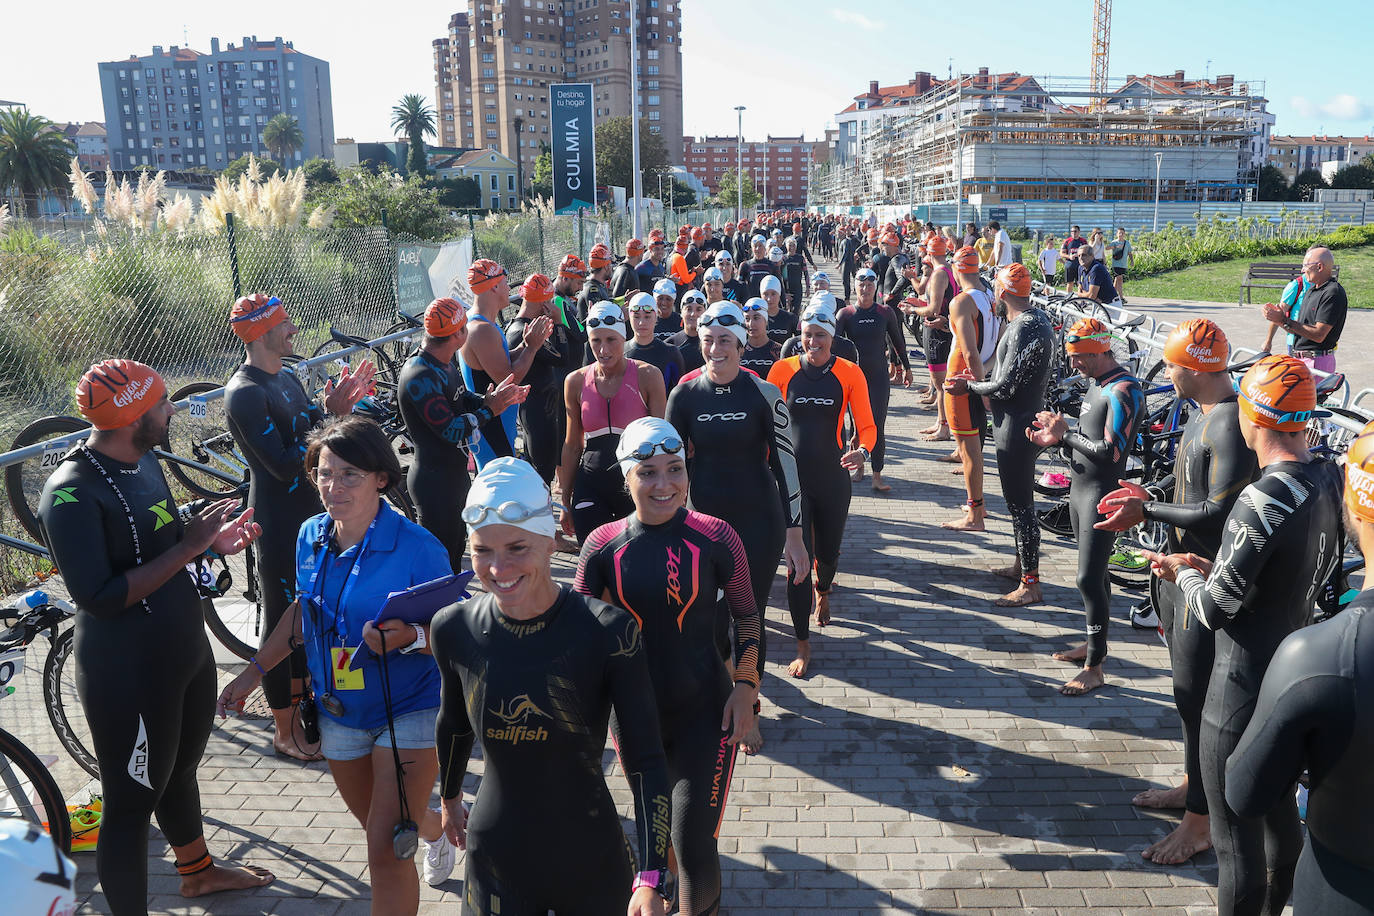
(493, 69)
(1326, 154)
(180, 108)
(779, 166)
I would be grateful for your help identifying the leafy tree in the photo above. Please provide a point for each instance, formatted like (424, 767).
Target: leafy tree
(283, 136)
(267, 167)
(320, 171)
(1354, 176)
(615, 153)
(360, 198)
(683, 195)
(728, 195)
(413, 117)
(542, 185)
(459, 193)
(1307, 181)
(1272, 184)
(34, 156)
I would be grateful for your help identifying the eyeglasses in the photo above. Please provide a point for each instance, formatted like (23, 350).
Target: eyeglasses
(1312, 266)
(347, 478)
(670, 445)
(725, 321)
(608, 322)
(510, 512)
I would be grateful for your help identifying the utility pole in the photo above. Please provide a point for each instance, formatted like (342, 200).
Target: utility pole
(637, 190)
(519, 160)
(739, 165)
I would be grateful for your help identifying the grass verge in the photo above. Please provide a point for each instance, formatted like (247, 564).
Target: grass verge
(1220, 281)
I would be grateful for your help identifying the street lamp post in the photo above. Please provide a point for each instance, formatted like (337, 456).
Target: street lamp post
(739, 165)
(1159, 160)
(519, 158)
(637, 189)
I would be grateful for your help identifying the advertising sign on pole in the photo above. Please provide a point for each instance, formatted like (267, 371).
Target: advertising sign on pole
(574, 150)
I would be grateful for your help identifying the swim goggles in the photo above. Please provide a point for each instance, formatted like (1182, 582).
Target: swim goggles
(511, 512)
(609, 322)
(670, 445)
(725, 321)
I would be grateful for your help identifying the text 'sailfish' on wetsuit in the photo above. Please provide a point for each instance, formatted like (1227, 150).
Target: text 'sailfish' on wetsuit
(1111, 413)
(598, 493)
(269, 415)
(145, 673)
(663, 356)
(537, 695)
(1212, 466)
(1016, 390)
(541, 413)
(743, 468)
(818, 399)
(1279, 545)
(668, 577)
(441, 417)
(873, 331)
(496, 437)
(1316, 712)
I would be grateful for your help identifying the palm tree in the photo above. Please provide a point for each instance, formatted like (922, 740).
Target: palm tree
(34, 156)
(283, 136)
(414, 118)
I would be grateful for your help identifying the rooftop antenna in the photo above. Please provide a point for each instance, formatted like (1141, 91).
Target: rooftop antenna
(185, 36)
(951, 68)
(1207, 73)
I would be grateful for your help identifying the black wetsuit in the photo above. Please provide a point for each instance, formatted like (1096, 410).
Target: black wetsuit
(538, 694)
(1112, 410)
(751, 274)
(624, 280)
(733, 290)
(1316, 712)
(668, 577)
(269, 416)
(690, 349)
(1016, 390)
(665, 328)
(782, 325)
(441, 417)
(1281, 541)
(760, 359)
(848, 257)
(144, 672)
(742, 469)
(842, 347)
(892, 282)
(874, 330)
(662, 355)
(593, 291)
(542, 415)
(1212, 465)
(794, 281)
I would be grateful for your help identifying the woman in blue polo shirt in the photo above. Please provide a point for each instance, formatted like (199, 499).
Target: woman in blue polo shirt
(348, 560)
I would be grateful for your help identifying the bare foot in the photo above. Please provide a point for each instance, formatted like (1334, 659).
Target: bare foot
(802, 661)
(1189, 838)
(753, 741)
(1021, 596)
(929, 430)
(218, 878)
(951, 458)
(878, 485)
(821, 616)
(287, 748)
(1007, 572)
(957, 472)
(1078, 653)
(941, 434)
(1166, 799)
(968, 522)
(1086, 681)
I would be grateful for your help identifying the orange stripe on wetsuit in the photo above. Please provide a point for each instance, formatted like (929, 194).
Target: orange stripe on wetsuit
(960, 412)
(853, 399)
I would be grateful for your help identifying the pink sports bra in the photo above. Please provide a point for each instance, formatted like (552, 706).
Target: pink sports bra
(609, 416)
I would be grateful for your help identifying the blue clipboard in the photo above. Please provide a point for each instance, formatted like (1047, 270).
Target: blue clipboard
(419, 603)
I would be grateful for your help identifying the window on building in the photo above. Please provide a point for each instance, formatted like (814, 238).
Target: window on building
(494, 185)
(496, 202)
(510, 184)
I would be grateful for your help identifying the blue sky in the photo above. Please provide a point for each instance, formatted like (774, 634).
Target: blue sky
(793, 63)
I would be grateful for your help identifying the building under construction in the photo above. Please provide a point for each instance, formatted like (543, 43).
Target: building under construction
(1010, 136)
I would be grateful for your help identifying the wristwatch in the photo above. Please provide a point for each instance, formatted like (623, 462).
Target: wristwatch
(865, 452)
(419, 643)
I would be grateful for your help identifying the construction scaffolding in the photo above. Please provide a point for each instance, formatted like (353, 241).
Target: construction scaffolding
(1018, 137)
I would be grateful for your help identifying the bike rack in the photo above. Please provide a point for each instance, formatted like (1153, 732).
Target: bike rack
(1359, 398)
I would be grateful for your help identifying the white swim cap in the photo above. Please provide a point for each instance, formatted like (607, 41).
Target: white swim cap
(509, 492)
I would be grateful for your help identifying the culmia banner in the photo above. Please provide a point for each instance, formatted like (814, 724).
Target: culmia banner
(574, 147)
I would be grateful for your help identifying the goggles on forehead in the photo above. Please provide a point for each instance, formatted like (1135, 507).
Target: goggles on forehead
(668, 445)
(510, 512)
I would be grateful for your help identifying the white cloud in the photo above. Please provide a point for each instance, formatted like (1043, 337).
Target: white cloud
(858, 19)
(1343, 107)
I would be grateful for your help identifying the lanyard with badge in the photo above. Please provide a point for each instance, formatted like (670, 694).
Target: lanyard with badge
(339, 659)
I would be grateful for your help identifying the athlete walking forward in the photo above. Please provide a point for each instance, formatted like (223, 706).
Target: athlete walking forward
(441, 417)
(666, 565)
(1016, 391)
(1111, 410)
(1212, 466)
(1281, 541)
(742, 463)
(540, 414)
(531, 671)
(875, 330)
(1314, 713)
(269, 415)
(819, 389)
(144, 670)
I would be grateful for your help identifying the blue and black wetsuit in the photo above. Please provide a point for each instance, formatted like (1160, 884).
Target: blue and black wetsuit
(668, 576)
(269, 415)
(544, 833)
(497, 435)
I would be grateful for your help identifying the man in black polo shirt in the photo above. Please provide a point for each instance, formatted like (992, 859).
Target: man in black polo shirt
(1068, 253)
(1321, 316)
(1094, 279)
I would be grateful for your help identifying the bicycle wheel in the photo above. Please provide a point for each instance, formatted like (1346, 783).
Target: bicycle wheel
(28, 792)
(24, 481)
(206, 440)
(234, 614)
(1056, 519)
(1052, 473)
(64, 704)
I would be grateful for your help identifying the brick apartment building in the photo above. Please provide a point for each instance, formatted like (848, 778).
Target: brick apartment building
(779, 165)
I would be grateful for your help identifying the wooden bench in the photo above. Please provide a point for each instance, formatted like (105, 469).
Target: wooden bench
(1271, 275)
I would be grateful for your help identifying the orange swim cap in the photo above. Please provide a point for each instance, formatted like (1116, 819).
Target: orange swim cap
(966, 260)
(253, 316)
(1014, 280)
(117, 392)
(445, 317)
(483, 275)
(1278, 393)
(936, 247)
(1088, 335)
(1359, 475)
(572, 268)
(536, 288)
(1197, 343)
(598, 257)
(634, 247)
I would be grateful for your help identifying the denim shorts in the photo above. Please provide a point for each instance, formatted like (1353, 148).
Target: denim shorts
(414, 731)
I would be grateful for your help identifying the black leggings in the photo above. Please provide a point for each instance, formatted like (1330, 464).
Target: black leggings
(150, 708)
(439, 495)
(543, 437)
(276, 563)
(879, 392)
(1191, 651)
(588, 878)
(1094, 549)
(824, 511)
(1016, 469)
(1328, 885)
(701, 760)
(599, 496)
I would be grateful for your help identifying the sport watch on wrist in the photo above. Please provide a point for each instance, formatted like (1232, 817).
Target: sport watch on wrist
(419, 643)
(865, 452)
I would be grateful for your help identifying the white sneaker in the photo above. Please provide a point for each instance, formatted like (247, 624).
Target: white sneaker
(1148, 620)
(439, 858)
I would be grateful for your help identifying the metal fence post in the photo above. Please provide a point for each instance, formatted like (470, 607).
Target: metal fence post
(233, 253)
(472, 231)
(581, 224)
(543, 257)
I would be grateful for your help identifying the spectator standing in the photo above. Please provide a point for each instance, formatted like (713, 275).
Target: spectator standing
(1122, 259)
(1001, 245)
(1068, 252)
(985, 247)
(1049, 261)
(1321, 314)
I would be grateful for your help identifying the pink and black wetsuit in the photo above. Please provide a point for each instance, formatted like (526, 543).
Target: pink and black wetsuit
(598, 493)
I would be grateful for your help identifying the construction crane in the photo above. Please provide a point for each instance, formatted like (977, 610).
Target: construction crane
(1102, 38)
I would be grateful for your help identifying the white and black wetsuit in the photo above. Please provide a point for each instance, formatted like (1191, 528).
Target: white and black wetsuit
(1212, 465)
(1016, 390)
(1316, 712)
(1281, 541)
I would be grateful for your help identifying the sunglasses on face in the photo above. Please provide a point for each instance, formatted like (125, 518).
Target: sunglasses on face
(669, 445)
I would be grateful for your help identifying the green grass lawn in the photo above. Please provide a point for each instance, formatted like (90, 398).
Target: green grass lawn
(1220, 282)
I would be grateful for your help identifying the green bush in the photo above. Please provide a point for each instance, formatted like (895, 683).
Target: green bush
(1221, 239)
